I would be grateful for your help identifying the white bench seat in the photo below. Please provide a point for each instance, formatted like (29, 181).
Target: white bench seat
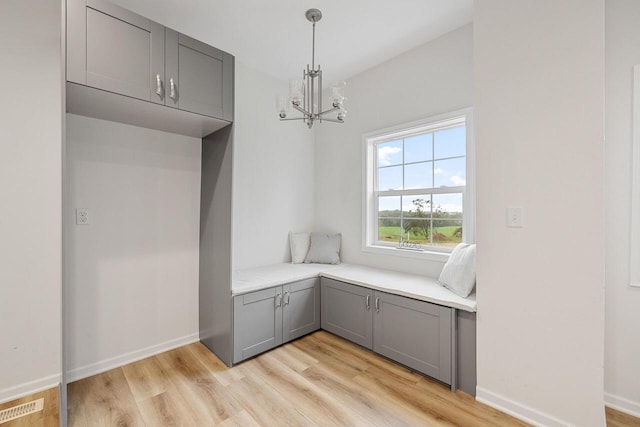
(409, 285)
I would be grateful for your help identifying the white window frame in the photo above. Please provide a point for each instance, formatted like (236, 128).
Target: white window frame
(369, 202)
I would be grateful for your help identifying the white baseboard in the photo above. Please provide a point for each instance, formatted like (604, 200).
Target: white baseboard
(31, 387)
(621, 404)
(518, 410)
(124, 359)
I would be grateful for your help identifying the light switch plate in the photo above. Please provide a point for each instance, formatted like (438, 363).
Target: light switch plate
(515, 217)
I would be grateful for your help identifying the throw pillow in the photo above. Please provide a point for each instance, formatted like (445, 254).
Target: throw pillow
(299, 244)
(459, 273)
(324, 249)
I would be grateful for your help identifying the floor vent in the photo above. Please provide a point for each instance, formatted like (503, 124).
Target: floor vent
(21, 410)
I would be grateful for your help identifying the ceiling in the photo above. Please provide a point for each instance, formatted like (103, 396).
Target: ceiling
(275, 37)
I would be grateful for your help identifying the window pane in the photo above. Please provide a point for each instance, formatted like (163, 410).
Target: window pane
(416, 230)
(389, 229)
(418, 175)
(416, 206)
(450, 143)
(389, 207)
(447, 206)
(447, 232)
(390, 153)
(390, 178)
(450, 173)
(418, 148)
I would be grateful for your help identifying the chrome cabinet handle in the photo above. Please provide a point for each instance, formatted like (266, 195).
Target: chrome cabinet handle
(287, 298)
(368, 302)
(278, 300)
(172, 89)
(377, 305)
(159, 91)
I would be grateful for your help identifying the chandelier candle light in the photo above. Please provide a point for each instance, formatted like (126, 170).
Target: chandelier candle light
(303, 93)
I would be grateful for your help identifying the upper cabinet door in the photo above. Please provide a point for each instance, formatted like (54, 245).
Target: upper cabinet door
(199, 77)
(116, 50)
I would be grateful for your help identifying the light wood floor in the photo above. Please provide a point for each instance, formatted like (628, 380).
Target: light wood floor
(317, 380)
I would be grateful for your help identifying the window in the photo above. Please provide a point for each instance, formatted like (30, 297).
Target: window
(418, 195)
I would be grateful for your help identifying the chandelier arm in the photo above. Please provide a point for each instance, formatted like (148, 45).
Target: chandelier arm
(328, 111)
(332, 120)
(302, 110)
(292, 118)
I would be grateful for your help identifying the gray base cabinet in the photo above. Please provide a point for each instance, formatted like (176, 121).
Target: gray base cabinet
(346, 311)
(414, 333)
(267, 318)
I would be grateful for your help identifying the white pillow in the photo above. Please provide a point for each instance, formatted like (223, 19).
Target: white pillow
(459, 273)
(324, 249)
(299, 243)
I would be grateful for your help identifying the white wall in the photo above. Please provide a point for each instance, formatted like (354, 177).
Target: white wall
(273, 173)
(132, 286)
(30, 184)
(434, 78)
(622, 329)
(539, 137)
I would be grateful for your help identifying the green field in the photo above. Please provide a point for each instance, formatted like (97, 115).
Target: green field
(443, 236)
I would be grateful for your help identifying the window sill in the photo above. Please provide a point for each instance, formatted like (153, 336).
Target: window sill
(406, 253)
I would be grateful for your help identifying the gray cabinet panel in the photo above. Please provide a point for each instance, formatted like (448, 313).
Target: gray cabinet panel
(118, 51)
(198, 77)
(301, 308)
(257, 322)
(466, 354)
(414, 333)
(346, 311)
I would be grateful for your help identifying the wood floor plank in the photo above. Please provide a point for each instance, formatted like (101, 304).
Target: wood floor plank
(620, 419)
(266, 404)
(106, 400)
(317, 380)
(207, 396)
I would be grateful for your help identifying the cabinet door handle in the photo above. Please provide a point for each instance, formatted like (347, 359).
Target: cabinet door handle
(278, 300)
(159, 91)
(368, 302)
(287, 298)
(377, 305)
(172, 89)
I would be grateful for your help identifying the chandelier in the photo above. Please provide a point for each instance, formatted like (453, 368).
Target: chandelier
(305, 95)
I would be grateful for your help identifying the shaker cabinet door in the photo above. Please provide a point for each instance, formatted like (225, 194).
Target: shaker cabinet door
(346, 311)
(199, 77)
(414, 333)
(301, 308)
(257, 322)
(115, 50)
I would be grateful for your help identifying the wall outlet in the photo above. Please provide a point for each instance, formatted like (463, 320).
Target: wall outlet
(82, 216)
(515, 217)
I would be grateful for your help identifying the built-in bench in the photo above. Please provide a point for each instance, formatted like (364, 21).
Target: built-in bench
(408, 318)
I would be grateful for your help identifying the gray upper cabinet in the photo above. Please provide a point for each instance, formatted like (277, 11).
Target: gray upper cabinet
(116, 50)
(199, 77)
(346, 311)
(414, 333)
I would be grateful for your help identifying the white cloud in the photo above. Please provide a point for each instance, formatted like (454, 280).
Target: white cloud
(385, 153)
(438, 171)
(456, 180)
